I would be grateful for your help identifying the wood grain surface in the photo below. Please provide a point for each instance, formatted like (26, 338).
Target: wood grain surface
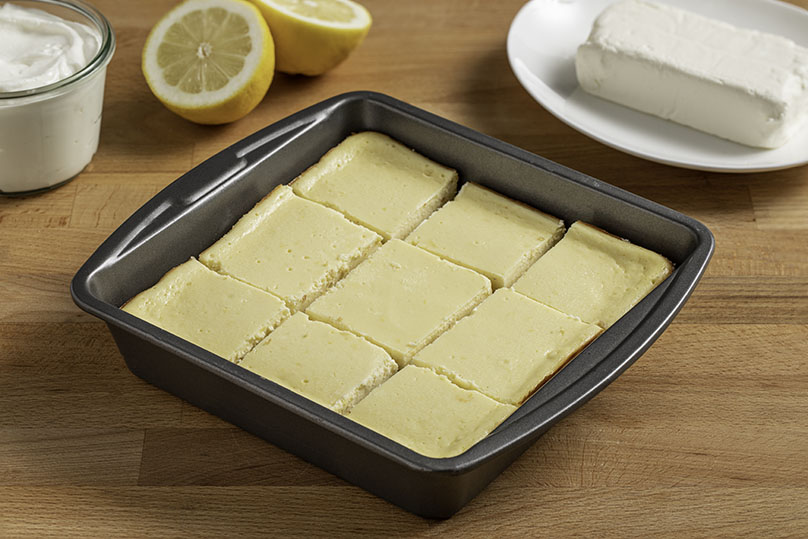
(706, 435)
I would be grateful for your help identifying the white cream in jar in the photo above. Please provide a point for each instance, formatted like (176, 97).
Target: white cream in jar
(53, 58)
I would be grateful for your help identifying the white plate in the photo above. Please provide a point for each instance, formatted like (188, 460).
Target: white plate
(542, 42)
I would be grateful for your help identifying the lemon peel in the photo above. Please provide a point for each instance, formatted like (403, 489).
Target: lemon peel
(313, 36)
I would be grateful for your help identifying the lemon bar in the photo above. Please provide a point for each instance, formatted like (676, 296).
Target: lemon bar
(507, 347)
(425, 412)
(331, 367)
(489, 233)
(401, 298)
(379, 183)
(216, 312)
(291, 247)
(594, 275)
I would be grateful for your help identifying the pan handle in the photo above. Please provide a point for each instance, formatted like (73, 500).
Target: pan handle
(198, 184)
(176, 202)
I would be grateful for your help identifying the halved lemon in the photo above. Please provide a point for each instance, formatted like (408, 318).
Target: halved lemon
(313, 36)
(210, 61)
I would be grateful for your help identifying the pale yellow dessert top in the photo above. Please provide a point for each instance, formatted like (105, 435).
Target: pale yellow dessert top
(291, 247)
(425, 412)
(331, 367)
(489, 233)
(401, 298)
(594, 275)
(215, 312)
(378, 182)
(507, 347)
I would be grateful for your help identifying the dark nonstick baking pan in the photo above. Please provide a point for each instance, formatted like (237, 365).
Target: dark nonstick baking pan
(194, 211)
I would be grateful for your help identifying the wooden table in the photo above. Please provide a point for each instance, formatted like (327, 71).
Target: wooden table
(706, 435)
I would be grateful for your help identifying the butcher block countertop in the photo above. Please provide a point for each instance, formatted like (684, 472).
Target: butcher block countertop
(706, 435)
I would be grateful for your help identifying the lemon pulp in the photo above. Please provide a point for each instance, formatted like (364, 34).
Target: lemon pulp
(210, 61)
(204, 49)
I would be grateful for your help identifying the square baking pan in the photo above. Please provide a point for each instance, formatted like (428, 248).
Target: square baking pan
(198, 208)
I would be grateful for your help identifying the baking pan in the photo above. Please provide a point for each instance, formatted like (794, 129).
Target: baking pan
(194, 211)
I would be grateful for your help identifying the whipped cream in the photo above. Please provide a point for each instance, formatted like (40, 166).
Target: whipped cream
(49, 132)
(37, 48)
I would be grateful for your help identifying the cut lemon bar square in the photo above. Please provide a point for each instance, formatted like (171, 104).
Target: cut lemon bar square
(507, 347)
(489, 233)
(290, 246)
(379, 183)
(333, 368)
(594, 275)
(216, 312)
(401, 298)
(427, 413)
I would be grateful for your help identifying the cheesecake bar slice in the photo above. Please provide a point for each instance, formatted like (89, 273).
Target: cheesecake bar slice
(379, 183)
(331, 367)
(216, 312)
(401, 298)
(593, 275)
(489, 233)
(290, 246)
(425, 412)
(508, 347)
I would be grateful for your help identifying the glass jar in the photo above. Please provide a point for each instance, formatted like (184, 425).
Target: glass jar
(50, 133)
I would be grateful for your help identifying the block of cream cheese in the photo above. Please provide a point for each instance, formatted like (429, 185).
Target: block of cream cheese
(489, 233)
(331, 367)
(401, 298)
(425, 412)
(507, 347)
(379, 183)
(739, 84)
(216, 312)
(593, 275)
(290, 246)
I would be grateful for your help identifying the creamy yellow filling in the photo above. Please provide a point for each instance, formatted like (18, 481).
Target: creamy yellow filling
(593, 275)
(291, 247)
(401, 298)
(379, 183)
(489, 233)
(507, 347)
(331, 367)
(215, 312)
(425, 412)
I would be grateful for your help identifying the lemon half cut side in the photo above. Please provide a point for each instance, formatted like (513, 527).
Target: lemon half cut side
(313, 36)
(210, 61)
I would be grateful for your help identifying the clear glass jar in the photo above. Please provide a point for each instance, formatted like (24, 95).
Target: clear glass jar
(50, 133)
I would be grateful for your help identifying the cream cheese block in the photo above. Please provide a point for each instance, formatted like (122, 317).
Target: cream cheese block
(743, 85)
(331, 367)
(507, 347)
(401, 298)
(425, 412)
(379, 183)
(216, 312)
(593, 275)
(290, 246)
(489, 233)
